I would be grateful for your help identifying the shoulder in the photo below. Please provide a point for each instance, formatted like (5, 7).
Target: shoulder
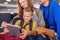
(38, 11)
(17, 22)
(56, 6)
(54, 3)
(34, 23)
(16, 18)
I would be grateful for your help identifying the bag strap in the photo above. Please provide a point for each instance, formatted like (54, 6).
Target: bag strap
(30, 24)
(14, 20)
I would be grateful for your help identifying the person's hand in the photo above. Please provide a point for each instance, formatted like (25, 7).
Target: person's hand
(33, 33)
(6, 30)
(4, 24)
(41, 31)
(24, 34)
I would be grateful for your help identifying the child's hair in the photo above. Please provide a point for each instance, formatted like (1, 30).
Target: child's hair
(29, 9)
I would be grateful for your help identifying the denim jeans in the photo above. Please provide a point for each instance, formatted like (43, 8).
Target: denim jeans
(39, 37)
(47, 37)
(31, 37)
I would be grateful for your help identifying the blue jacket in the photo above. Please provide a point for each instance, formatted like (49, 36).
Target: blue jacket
(51, 15)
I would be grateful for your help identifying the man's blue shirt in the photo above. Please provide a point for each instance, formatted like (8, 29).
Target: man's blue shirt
(51, 15)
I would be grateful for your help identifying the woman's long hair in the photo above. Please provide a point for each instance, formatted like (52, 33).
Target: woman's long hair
(20, 9)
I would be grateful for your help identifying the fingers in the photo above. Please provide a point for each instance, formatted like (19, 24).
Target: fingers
(4, 24)
(6, 30)
(24, 31)
(23, 36)
(43, 35)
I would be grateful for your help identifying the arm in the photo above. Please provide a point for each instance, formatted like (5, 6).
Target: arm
(49, 32)
(57, 19)
(38, 17)
(42, 22)
(41, 30)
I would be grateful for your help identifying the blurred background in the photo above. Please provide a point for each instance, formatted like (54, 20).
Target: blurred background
(10, 6)
(8, 9)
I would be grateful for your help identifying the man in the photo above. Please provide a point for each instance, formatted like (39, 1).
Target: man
(51, 14)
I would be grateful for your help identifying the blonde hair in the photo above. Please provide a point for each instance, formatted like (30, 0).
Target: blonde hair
(28, 9)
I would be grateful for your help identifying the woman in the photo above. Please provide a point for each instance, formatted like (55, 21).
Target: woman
(38, 15)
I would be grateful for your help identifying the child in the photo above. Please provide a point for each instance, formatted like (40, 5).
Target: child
(26, 23)
(28, 26)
